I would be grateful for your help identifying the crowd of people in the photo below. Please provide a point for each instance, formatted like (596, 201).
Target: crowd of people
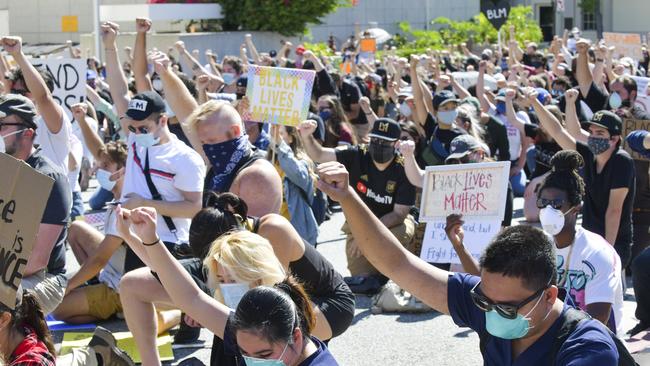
(212, 221)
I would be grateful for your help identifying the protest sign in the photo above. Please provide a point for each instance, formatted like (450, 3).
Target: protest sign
(278, 95)
(23, 195)
(125, 342)
(436, 248)
(496, 11)
(627, 44)
(630, 125)
(477, 191)
(368, 45)
(469, 78)
(69, 76)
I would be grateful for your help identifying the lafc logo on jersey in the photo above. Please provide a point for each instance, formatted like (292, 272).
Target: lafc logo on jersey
(383, 127)
(390, 186)
(364, 177)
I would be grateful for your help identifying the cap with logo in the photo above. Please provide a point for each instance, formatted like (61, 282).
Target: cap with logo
(443, 98)
(608, 120)
(242, 81)
(145, 104)
(501, 96)
(462, 146)
(20, 106)
(385, 129)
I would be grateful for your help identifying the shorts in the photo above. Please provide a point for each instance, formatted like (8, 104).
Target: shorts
(103, 301)
(193, 266)
(48, 288)
(338, 308)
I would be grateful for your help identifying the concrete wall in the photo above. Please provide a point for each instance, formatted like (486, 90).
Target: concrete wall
(633, 17)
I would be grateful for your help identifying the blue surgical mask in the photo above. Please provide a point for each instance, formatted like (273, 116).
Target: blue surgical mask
(146, 140)
(505, 328)
(615, 101)
(253, 361)
(229, 78)
(447, 117)
(501, 107)
(104, 179)
(598, 145)
(325, 114)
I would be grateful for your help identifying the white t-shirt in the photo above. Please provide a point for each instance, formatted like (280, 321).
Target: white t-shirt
(112, 273)
(55, 146)
(514, 135)
(594, 275)
(174, 167)
(77, 150)
(76, 130)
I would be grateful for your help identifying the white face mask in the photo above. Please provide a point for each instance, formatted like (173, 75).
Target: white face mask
(405, 110)
(552, 220)
(233, 292)
(3, 147)
(104, 179)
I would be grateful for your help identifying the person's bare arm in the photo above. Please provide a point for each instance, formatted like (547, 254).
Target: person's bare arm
(187, 208)
(512, 115)
(119, 88)
(486, 105)
(91, 139)
(421, 111)
(414, 174)
(248, 38)
(314, 149)
(395, 217)
(47, 107)
(47, 236)
(195, 65)
(583, 74)
(456, 235)
(364, 103)
(614, 213)
(4, 70)
(646, 142)
(571, 121)
(140, 70)
(380, 246)
(600, 311)
(551, 124)
(459, 89)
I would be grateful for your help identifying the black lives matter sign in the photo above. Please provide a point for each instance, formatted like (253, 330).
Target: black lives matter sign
(23, 196)
(496, 11)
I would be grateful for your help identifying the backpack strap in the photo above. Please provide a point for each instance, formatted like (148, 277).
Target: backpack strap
(155, 195)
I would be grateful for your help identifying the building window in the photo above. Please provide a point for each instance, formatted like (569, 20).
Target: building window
(588, 20)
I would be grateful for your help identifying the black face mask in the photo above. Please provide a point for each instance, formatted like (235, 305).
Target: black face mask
(381, 153)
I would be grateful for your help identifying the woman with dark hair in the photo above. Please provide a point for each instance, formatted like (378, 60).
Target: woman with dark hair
(24, 336)
(338, 130)
(269, 324)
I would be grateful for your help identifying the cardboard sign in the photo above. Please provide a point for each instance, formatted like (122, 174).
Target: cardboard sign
(69, 79)
(477, 191)
(278, 95)
(436, 248)
(630, 125)
(469, 78)
(368, 45)
(125, 342)
(627, 44)
(23, 195)
(496, 11)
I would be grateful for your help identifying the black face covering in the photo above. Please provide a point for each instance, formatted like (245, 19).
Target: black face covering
(381, 153)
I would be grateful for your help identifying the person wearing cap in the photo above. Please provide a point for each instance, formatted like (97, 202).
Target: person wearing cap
(45, 269)
(439, 124)
(379, 178)
(517, 141)
(53, 124)
(608, 172)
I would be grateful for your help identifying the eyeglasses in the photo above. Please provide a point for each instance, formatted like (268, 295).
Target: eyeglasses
(508, 311)
(142, 129)
(556, 203)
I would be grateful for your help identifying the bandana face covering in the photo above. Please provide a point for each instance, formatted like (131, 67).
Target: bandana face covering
(224, 158)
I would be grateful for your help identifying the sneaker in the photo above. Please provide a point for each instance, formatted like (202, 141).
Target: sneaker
(106, 349)
(640, 327)
(185, 333)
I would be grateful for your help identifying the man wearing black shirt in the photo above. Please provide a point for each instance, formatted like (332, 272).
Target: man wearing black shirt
(378, 176)
(45, 269)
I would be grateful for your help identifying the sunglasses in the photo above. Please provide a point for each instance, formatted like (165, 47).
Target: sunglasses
(142, 130)
(2, 125)
(508, 311)
(556, 203)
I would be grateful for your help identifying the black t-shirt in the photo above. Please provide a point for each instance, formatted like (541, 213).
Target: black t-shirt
(57, 209)
(445, 136)
(497, 139)
(596, 99)
(316, 273)
(350, 94)
(641, 214)
(379, 190)
(544, 151)
(618, 172)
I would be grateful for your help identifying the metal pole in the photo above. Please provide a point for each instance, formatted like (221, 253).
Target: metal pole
(96, 34)
(427, 14)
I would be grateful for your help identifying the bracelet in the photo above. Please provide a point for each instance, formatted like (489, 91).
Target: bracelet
(151, 244)
(600, 60)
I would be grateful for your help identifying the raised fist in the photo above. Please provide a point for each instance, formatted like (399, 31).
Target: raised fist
(142, 25)
(13, 45)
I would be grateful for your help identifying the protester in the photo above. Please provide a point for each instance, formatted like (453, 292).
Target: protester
(45, 269)
(379, 177)
(338, 131)
(518, 267)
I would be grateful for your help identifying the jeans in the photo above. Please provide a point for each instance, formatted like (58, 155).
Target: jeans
(518, 183)
(531, 159)
(99, 198)
(77, 205)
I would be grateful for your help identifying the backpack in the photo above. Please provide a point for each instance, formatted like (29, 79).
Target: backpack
(318, 205)
(571, 319)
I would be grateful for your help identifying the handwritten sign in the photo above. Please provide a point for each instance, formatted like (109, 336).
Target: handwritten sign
(69, 76)
(630, 125)
(23, 195)
(496, 11)
(125, 342)
(477, 191)
(278, 95)
(627, 44)
(436, 248)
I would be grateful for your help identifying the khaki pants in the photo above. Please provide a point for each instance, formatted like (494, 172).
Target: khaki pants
(82, 356)
(359, 265)
(49, 289)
